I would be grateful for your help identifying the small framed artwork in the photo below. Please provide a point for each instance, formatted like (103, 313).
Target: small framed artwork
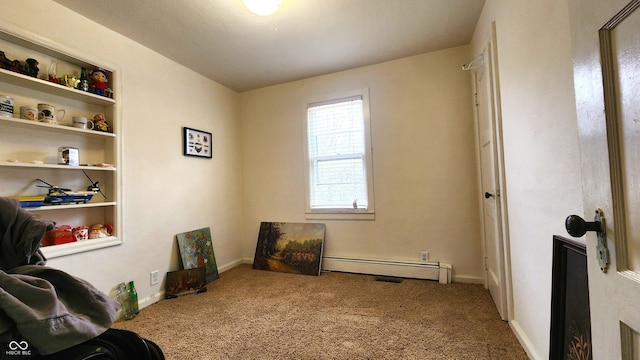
(185, 282)
(197, 143)
(570, 315)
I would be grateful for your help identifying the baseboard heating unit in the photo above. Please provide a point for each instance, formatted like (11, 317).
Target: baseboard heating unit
(438, 271)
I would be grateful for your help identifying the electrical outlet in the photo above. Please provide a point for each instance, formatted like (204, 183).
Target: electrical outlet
(154, 277)
(424, 256)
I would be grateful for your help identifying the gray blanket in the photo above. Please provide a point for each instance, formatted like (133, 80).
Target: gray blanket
(49, 308)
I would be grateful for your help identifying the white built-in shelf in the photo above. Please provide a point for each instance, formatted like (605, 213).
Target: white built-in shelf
(71, 206)
(53, 128)
(54, 251)
(20, 139)
(18, 79)
(53, 166)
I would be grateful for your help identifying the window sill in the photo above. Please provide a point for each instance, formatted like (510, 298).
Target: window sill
(334, 215)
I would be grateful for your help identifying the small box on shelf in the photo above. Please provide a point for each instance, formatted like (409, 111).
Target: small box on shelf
(68, 156)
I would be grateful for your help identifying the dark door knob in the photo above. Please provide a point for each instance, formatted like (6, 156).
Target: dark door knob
(488, 195)
(576, 226)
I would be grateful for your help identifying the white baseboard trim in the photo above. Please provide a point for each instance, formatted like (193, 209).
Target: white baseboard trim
(524, 341)
(438, 271)
(150, 300)
(468, 279)
(231, 265)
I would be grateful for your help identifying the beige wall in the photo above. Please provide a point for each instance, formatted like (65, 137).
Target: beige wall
(541, 149)
(164, 192)
(424, 160)
(424, 167)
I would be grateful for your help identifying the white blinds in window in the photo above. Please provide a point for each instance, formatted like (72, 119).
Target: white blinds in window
(337, 154)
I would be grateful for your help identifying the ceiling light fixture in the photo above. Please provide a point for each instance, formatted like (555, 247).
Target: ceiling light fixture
(262, 7)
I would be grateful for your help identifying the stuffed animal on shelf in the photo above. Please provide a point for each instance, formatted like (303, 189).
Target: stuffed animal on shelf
(100, 123)
(100, 80)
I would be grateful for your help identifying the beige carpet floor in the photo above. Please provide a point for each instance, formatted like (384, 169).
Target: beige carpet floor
(256, 314)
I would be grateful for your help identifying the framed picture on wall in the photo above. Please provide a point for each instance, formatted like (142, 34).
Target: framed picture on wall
(197, 143)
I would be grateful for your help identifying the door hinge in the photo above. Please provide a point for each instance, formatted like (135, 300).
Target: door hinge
(485, 264)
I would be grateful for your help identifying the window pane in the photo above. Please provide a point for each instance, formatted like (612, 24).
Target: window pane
(336, 135)
(338, 183)
(340, 143)
(333, 172)
(336, 129)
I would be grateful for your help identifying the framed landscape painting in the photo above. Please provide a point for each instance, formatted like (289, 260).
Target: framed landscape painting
(196, 250)
(290, 247)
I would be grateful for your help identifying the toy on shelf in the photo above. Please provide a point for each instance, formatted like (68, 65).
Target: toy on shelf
(94, 186)
(30, 67)
(59, 235)
(100, 123)
(60, 196)
(98, 231)
(100, 80)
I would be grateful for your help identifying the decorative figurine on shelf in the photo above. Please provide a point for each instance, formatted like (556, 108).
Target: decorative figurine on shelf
(29, 67)
(100, 123)
(32, 67)
(99, 77)
(98, 231)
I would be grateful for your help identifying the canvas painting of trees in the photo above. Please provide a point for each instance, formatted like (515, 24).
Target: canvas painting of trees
(290, 247)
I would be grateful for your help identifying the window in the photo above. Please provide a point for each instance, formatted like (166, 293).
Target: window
(339, 158)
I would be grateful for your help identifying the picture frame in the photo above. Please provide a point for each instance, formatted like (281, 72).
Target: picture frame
(185, 282)
(196, 250)
(570, 314)
(288, 247)
(197, 143)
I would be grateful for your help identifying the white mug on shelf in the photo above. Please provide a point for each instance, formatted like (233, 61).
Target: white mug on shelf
(28, 113)
(82, 122)
(48, 113)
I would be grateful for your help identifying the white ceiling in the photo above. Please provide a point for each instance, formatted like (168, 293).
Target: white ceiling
(223, 41)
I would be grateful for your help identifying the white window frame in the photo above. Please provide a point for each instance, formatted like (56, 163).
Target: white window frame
(360, 213)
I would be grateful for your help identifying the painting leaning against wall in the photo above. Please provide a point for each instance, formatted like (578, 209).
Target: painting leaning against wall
(196, 250)
(290, 247)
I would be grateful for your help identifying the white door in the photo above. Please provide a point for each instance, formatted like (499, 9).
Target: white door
(606, 51)
(490, 184)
